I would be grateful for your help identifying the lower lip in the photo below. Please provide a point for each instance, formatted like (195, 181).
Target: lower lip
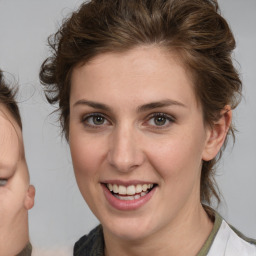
(128, 205)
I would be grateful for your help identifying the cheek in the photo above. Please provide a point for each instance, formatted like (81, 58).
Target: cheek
(177, 156)
(87, 156)
(11, 203)
(15, 192)
(178, 163)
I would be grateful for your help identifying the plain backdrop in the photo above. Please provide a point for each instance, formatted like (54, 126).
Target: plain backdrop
(60, 215)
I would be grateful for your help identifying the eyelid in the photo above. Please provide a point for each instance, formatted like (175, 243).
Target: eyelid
(84, 117)
(162, 114)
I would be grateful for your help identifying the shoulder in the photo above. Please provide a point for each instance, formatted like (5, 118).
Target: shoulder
(240, 243)
(242, 236)
(91, 244)
(230, 242)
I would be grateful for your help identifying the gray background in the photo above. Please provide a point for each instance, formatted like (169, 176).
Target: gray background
(60, 215)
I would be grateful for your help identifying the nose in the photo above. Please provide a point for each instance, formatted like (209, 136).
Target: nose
(125, 153)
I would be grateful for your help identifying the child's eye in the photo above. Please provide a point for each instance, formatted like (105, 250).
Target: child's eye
(160, 120)
(94, 120)
(3, 182)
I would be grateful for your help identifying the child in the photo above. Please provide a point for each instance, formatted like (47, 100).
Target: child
(16, 194)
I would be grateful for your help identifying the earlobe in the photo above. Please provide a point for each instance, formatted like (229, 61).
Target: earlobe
(30, 197)
(217, 134)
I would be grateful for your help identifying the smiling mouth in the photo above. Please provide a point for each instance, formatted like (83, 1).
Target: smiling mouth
(131, 192)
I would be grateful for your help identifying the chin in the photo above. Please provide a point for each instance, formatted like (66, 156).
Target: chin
(129, 228)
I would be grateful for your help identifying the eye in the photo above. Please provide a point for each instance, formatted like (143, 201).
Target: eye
(160, 120)
(3, 182)
(94, 120)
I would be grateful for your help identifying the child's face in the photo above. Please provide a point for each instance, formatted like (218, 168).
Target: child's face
(16, 195)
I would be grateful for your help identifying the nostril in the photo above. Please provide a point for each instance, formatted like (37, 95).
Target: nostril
(124, 165)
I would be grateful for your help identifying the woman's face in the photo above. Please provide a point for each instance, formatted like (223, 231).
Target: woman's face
(136, 128)
(14, 186)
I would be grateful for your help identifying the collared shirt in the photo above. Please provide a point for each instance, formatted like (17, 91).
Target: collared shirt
(26, 251)
(224, 240)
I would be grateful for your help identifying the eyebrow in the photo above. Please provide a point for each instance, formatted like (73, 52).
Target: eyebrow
(142, 108)
(92, 104)
(160, 104)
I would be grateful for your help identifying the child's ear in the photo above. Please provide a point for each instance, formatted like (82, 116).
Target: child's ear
(30, 197)
(217, 134)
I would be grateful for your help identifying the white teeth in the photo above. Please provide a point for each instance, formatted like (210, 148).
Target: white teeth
(145, 187)
(122, 190)
(130, 198)
(110, 187)
(131, 190)
(115, 188)
(138, 188)
(125, 198)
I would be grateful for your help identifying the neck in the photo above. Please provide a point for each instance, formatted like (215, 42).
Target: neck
(192, 228)
(14, 236)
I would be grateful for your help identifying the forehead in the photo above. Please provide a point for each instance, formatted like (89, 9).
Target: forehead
(10, 132)
(7, 115)
(10, 141)
(144, 71)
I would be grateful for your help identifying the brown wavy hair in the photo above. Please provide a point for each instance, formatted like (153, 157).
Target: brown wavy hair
(194, 29)
(7, 98)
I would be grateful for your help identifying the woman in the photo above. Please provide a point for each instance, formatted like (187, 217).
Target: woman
(16, 194)
(146, 91)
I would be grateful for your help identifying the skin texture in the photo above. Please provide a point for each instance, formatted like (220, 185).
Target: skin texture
(129, 146)
(16, 196)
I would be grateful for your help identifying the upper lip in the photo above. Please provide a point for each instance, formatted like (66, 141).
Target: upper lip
(127, 183)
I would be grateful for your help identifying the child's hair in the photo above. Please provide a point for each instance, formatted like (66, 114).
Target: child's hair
(7, 98)
(194, 29)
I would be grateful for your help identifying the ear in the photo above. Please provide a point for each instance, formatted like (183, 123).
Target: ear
(30, 197)
(216, 134)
